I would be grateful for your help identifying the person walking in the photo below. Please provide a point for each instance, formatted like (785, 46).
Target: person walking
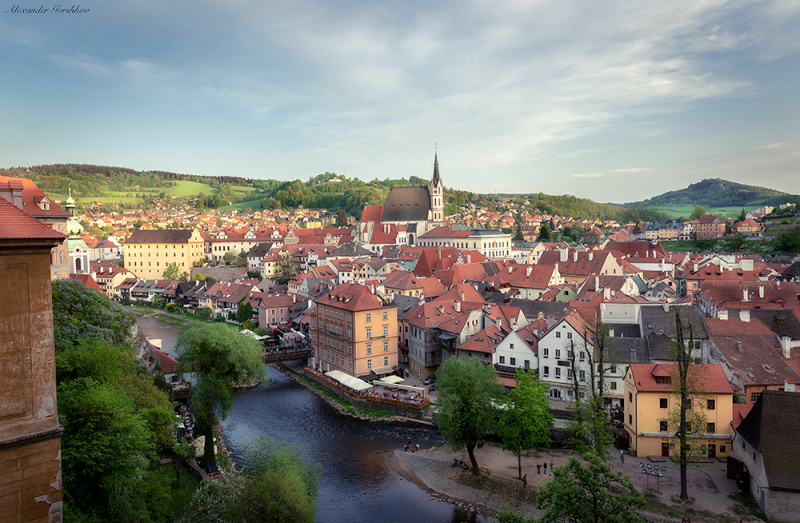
(538, 469)
(545, 467)
(552, 466)
(525, 480)
(622, 457)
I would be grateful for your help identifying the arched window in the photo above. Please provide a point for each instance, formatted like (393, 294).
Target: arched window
(77, 265)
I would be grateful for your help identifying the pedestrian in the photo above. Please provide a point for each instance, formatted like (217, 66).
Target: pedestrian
(417, 447)
(552, 466)
(622, 457)
(545, 467)
(538, 469)
(525, 480)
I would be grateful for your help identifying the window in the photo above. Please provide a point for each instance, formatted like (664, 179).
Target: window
(527, 364)
(558, 372)
(664, 380)
(630, 419)
(369, 364)
(369, 332)
(350, 364)
(613, 385)
(385, 346)
(369, 317)
(513, 361)
(754, 396)
(558, 334)
(546, 371)
(349, 348)
(583, 375)
(349, 333)
(386, 361)
(502, 360)
(385, 315)
(630, 397)
(558, 354)
(722, 448)
(546, 353)
(613, 369)
(583, 355)
(711, 404)
(385, 330)
(569, 374)
(569, 354)
(662, 403)
(711, 428)
(663, 426)
(369, 348)
(569, 335)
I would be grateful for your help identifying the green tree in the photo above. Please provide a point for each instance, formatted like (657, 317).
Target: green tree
(172, 272)
(221, 359)
(544, 233)
(465, 410)
(526, 420)
(742, 215)
(287, 267)
(244, 312)
(243, 254)
(229, 256)
(341, 218)
(589, 492)
(698, 213)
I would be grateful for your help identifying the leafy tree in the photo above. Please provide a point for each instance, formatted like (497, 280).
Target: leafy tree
(544, 233)
(205, 312)
(254, 275)
(526, 420)
(698, 213)
(244, 312)
(589, 492)
(465, 410)
(243, 254)
(220, 360)
(742, 215)
(229, 256)
(341, 218)
(172, 272)
(287, 267)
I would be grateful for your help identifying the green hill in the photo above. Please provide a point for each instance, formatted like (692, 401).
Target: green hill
(717, 193)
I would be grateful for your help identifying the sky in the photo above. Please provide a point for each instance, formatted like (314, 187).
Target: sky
(616, 101)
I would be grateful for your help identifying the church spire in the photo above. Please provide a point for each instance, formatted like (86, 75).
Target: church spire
(436, 180)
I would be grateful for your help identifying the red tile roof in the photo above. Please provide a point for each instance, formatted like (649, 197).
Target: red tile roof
(18, 225)
(351, 297)
(711, 377)
(31, 195)
(87, 281)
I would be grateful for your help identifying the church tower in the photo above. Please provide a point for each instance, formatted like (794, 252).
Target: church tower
(437, 192)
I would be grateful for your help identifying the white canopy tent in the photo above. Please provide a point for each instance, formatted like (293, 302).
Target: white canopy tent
(336, 375)
(393, 379)
(398, 386)
(383, 370)
(355, 383)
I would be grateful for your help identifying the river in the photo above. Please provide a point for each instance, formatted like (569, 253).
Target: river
(357, 485)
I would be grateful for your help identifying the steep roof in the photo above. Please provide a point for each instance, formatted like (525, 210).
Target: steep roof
(372, 213)
(351, 297)
(32, 196)
(87, 281)
(710, 377)
(18, 225)
(776, 435)
(160, 236)
(407, 204)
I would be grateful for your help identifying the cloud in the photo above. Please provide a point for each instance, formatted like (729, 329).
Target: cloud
(586, 175)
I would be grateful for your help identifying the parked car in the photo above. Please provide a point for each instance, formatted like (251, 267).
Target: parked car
(426, 381)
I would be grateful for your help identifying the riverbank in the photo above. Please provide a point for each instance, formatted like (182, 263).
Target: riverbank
(341, 405)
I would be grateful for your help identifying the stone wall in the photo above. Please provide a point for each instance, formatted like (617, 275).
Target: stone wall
(30, 481)
(221, 273)
(397, 410)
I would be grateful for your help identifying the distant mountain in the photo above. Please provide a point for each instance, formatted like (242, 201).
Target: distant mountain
(719, 193)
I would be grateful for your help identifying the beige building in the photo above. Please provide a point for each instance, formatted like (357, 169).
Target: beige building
(148, 253)
(354, 332)
(651, 405)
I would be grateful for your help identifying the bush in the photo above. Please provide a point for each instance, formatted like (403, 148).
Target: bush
(205, 312)
(219, 319)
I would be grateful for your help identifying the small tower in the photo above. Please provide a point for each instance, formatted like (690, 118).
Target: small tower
(78, 250)
(437, 191)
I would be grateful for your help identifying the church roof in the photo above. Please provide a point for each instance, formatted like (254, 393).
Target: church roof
(436, 180)
(407, 204)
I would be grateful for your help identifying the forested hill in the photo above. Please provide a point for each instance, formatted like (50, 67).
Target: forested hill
(719, 193)
(119, 187)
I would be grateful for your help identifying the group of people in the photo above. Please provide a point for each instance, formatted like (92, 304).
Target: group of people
(188, 422)
(410, 447)
(539, 468)
(457, 463)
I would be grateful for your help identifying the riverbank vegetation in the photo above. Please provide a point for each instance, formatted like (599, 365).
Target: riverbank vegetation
(115, 416)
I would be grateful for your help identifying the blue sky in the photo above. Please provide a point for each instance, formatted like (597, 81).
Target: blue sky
(615, 100)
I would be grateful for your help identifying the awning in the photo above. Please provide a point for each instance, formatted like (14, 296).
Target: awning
(448, 336)
(368, 377)
(337, 375)
(355, 383)
(397, 386)
(383, 370)
(393, 379)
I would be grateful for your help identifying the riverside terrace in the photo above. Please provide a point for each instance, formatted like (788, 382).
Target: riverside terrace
(405, 407)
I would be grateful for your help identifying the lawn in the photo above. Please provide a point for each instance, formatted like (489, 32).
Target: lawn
(242, 188)
(250, 204)
(685, 211)
(187, 188)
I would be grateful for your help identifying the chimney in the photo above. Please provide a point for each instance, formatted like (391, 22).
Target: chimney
(513, 325)
(666, 307)
(723, 314)
(294, 298)
(695, 267)
(439, 252)
(457, 306)
(761, 292)
(499, 323)
(461, 295)
(786, 346)
(788, 385)
(606, 294)
(744, 295)
(528, 271)
(744, 316)
(469, 258)
(510, 268)
(597, 283)
(575, 257)
(551, 320)
(563, 255)
(591, 255)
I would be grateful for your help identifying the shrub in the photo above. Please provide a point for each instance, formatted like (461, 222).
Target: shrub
(205, 312)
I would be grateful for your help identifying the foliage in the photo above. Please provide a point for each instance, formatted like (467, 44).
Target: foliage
(788, 240)
(221, 359)
(341, 218)
(261, 331)
(205, 312)
(544, 233)
(589, 492)
(719, 193)
(172, 272)
(526, 420)
(579, 208)
(287, 267)
(254, 275)
(697, 213)
(465, 410)
(277, 485)
(229, 256)
(244, 312)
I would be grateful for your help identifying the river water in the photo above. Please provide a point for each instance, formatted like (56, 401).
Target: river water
(357, 484)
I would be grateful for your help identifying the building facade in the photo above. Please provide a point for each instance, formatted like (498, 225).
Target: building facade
(149, 253)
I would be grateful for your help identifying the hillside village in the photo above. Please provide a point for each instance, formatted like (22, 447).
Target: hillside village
(402, 287)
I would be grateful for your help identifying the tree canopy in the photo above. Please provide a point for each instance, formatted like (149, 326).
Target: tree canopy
(465, 410)
(698, 212)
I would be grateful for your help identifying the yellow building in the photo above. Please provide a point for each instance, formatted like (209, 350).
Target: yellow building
(652, 405)
(109, 277)
(148, 253)
(352, 331)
